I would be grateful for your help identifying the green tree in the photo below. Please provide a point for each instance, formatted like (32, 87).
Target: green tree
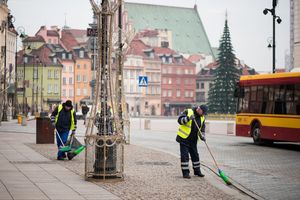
(221, 95)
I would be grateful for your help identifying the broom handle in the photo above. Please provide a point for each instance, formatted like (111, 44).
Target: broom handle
(207, 145)
(59, 138)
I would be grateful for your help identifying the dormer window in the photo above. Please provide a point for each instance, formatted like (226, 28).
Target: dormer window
(25, 59)
(70, 56)
(63, 56)
(81, 54)
(54, 60)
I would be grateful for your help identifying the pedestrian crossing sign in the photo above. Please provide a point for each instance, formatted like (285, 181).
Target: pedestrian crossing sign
(143, 81)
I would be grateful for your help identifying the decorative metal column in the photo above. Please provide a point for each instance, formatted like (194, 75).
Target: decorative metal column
(104, 158)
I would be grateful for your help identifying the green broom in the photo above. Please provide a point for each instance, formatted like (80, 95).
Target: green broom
(63, 148)
(221, 173)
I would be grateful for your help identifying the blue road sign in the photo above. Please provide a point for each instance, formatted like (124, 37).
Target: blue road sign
(143, 81)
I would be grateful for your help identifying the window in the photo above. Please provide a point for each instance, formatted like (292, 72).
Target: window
(49, 41)
(131, 74)
(49, 88)
(170, 81)
(55, 88)
(70, 81)
(64, 68)
(84, 91)
(63, 55)
(81, 54)
(78, 78)
(78, 66)
(178, 93)
(78, 91)
(169, 93)
(64, 93)
(164, 93)
(84, 79)
(191, 94)
(70, 68)
(56, 74)
(186, 94)
(64, 81)
(71, 94)
(25, 59)
(202, 85)
(49, 73)
(70, 56)
(54, 60)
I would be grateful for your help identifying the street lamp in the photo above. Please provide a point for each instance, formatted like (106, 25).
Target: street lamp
(275, 18)
(19, 31)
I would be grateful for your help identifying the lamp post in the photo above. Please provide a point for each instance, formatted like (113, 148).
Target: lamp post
(275, 18)
(20, 31)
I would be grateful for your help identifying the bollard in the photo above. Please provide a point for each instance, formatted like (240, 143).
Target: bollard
(147, 124)
(19, 117)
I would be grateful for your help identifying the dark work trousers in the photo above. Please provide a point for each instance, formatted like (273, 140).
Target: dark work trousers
(184, 155)
(64, 137)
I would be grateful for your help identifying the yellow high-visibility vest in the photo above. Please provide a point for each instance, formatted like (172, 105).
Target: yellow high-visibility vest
(185, 129)
(72, 127)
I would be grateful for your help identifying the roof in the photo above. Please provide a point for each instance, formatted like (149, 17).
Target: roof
(41, 54)
(37, 38)
(52, 33)
(195, 58)
(188, 33)
(73, 38)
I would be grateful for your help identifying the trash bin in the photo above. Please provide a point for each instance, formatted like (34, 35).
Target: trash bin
(24, 120)
(19, 117)
(147, 124)
(44, 131)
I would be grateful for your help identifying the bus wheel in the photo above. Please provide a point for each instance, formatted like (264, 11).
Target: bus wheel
(256, 134)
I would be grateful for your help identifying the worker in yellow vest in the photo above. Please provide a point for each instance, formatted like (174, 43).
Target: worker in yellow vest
(187, 137)
(63, 118)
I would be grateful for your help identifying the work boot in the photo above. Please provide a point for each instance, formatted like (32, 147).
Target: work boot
(199, 174)
(71, 155)
(60, 158)
(186, 176)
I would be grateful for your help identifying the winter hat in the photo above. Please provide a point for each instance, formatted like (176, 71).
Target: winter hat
(69, 103)
(204, 108)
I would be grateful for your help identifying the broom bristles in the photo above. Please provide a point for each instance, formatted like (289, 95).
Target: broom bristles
(224, 177)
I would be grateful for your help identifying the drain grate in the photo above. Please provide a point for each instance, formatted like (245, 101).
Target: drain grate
(153, 163)
(32, 162)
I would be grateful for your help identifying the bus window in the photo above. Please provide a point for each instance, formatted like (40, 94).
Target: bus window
(289, 98)
(280, 104)
(265, 99)
(244, 102)
(297, 98)
(270, 103)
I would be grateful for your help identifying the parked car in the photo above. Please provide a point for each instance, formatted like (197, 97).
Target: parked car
(79, 115)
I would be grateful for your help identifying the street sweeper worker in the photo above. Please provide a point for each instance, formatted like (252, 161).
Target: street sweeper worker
(187, 137)
(64, 120)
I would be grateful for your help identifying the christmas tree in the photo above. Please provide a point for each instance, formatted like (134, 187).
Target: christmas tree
(221, 95)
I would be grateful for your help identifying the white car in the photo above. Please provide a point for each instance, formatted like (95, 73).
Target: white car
(79, 115)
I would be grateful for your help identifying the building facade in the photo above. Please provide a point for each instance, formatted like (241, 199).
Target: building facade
(295, 34)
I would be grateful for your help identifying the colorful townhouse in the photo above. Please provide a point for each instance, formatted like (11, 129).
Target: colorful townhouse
(39, 79)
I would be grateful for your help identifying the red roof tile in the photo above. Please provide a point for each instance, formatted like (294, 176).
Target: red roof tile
(37, 38)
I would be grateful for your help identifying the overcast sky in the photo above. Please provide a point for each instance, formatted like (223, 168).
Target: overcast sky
(249, 28)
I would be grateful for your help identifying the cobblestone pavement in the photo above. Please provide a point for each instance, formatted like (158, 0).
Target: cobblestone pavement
(271, 172)
(149, 174)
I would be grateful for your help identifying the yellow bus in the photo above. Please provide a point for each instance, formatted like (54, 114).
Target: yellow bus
(268, 107)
